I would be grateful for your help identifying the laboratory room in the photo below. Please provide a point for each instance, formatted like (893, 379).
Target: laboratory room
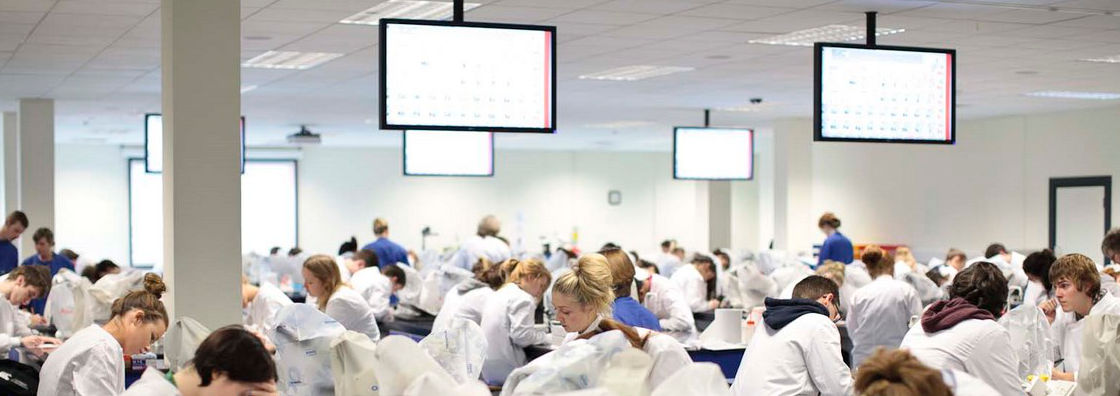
(559, 197)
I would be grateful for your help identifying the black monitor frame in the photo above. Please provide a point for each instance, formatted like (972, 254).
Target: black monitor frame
(818, 49)
(383, 94)
(677, 129)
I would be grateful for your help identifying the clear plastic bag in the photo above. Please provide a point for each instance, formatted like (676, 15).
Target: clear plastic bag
(1031, 340)
(460, 349)
(181, 340)
(1099, 373)
(697, 379)
(400, 361)
(573, 366)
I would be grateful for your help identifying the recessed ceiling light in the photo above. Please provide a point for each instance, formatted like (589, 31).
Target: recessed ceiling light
(247, 88)
(405, 9)
(634, 73)
(1076, 95)
(830, 33)
(289, 60)
(1108, 59)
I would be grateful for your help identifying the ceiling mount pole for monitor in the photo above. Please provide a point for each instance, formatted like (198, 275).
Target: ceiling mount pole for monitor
(871, 27)
(707, 118)
(457, 14)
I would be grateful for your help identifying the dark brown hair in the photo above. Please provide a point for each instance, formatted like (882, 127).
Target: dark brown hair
(1038, 264)
(16, 217)
(41, 233)
(898, 373)
(1110, 245)
(38, 276)
(368, 257)
(828, 219)
(875, 258)
(147, 301)
(236, 353)
(981, 284)
(816, 286)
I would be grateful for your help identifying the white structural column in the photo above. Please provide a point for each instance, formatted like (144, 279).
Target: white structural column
(36, 166)
(794, 226)
(201, 159)
(11, 162)
(719, 215)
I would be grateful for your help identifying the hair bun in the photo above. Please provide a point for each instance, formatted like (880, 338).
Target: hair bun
(154, 284)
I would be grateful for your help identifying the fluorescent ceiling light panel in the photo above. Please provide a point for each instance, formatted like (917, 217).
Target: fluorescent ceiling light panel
(291, 60)
(405, 9)
(830, 33)
(1107, 59)
(1076, 95)
(634, 73)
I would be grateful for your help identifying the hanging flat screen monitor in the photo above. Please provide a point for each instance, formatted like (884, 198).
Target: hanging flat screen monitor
(462, 76)
(448, 153)
(713, 153)
(884, 94)
(153, 143)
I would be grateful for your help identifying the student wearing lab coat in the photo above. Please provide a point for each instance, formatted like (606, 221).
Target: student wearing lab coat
(1077, 289)
(797, 349)
(468, 297)
(484, 244)
(231, 361)
(836, 246)
(261, 303)
(507, 318)
(18, 288)
(881, 311)
(962, 333)
(624, 308)
(693, 280)
(896, 372)
(374, 287)
(583, 299)
(336, 299)
(666, 301)
(92, 361)
(1037, 267)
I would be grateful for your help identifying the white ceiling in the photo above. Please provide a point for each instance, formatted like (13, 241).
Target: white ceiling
(100, 60)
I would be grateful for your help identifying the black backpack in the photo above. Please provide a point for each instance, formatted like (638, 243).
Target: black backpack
(18, 379)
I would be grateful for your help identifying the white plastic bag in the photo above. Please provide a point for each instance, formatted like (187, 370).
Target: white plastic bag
(573, 366)
(627, 372)
(400, 361)
(67, 307)
(1030, 339)
(303, 338)
(460, 349)
(109, 288)
(1099, 373)
(429, 384)
(181, 340)
(697, 379)
(353, 357)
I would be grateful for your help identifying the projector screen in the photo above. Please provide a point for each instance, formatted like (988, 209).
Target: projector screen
(462, 76)
(713, 153)
(884, 94)
(153, 143)
(442, 153)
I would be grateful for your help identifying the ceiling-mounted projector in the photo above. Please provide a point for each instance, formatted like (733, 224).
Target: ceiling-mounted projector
(304, 136)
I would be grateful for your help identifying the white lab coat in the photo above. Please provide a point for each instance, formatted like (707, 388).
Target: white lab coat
(14, 325)
(803, 358)
(152, 383)
(352, 312)
(475, 247)
(465, 305)
(1067, 331)
(667, 264)
(1035, 294)
(667, 303)
(880, 316)
(981, 348)
(375, 288)
(964, 384)
(693, 287)
(262, 310)
(507, 322)
(89, 363)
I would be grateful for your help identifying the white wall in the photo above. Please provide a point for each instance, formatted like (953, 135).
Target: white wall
(91, 202)
(535, 194)
(991, 186)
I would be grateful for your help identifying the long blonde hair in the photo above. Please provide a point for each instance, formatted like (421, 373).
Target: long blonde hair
(323, 268)
(516, 270)
(590, 284)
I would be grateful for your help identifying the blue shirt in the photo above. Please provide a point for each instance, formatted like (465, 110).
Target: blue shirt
(836, 247)
(57, 262)
(628, 311)
(9, 257)
(388, 252)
